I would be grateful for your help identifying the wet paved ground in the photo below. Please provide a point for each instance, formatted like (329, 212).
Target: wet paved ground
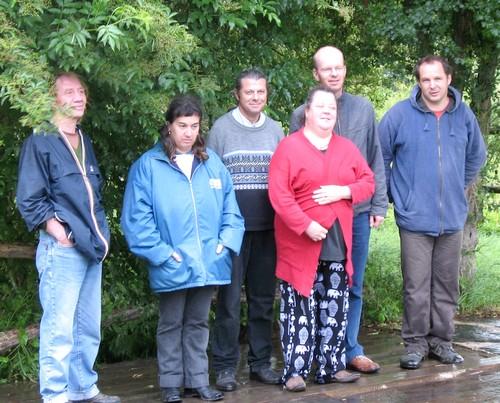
(477, 380)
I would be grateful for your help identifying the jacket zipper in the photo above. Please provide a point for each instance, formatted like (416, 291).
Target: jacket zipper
(197, 225)
(441, 184)
(195, 210)
(88, 186)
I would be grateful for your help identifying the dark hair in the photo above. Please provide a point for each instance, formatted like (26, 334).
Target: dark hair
(253, 72)
(182, 105)
(313, 91)
(432, 59)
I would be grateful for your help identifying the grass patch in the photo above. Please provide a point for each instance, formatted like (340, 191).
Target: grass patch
(383, 281)
(481, 295)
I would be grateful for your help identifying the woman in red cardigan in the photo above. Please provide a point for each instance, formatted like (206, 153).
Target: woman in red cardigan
(315, 177)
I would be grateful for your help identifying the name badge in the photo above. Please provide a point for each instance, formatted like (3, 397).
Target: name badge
(215, 183)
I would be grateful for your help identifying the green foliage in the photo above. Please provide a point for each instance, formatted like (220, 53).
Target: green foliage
(21, 363)
(136, 55)
(126, 340)
(383, 283)
(18, 294)
(123, 45)
(480, 295)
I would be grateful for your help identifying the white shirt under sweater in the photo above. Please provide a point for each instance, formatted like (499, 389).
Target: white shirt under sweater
(238, 116)
(185, 163)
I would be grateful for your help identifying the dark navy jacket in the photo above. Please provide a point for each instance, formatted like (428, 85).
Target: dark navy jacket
(429, 162)
(52, 184)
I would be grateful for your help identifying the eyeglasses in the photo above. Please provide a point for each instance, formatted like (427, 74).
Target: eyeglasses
(330, 70)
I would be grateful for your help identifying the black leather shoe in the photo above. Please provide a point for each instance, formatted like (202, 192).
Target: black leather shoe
(266, 375)
(446, 355)
(411, 360)
(204, 393)
(171, 395)
(99, 398)
(226, 380)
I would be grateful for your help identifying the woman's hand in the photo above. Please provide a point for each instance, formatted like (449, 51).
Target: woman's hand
(316, 231)
(331, 193)
(176, 257)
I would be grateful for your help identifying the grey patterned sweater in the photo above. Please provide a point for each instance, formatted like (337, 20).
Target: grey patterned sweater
(246, 152)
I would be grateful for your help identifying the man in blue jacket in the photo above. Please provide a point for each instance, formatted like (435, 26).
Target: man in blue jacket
(58, 193)
(433, 149)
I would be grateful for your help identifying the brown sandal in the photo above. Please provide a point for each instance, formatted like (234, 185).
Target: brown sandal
(295, 384)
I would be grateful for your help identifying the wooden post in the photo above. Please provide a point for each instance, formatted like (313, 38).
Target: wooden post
(17, 251)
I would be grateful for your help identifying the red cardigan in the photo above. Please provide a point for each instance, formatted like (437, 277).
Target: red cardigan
(297, 169)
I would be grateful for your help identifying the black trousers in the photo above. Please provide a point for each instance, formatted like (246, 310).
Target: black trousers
(182, 337)
(314, 327)
(254, 268)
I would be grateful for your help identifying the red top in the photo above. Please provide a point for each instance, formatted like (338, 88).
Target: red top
(297, 169)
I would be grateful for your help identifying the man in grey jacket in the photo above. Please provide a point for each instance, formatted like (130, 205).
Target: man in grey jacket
(355, 121)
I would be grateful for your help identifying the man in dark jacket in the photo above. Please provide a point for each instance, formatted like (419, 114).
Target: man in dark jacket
(433, 149)
(355, 121)
(58, 193)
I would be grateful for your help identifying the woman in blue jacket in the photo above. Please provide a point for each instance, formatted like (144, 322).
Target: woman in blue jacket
(181, 215)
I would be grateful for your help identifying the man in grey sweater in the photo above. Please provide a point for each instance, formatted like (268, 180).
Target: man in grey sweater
(355, 121)
(245, 139)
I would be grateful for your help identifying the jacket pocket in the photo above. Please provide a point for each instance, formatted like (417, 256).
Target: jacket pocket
(170, 275)
(409, 201)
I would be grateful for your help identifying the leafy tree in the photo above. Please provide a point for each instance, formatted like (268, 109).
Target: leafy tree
(135, 55)
(466, 32)
(121, 49)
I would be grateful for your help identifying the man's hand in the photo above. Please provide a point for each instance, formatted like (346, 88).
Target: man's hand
(56, 229)
(376, 221)
(331, 193)
(316, 231)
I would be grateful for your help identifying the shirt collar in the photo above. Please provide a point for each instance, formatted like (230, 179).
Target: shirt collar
(238, 116)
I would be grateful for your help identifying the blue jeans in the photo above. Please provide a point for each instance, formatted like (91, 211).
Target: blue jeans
(360, 243)
(70, 295)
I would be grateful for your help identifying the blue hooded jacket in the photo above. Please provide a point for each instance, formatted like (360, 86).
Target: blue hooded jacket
(429, 161)
(164, 211)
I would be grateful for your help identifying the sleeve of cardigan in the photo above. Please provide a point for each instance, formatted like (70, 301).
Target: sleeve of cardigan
(281, 193)
(364, 186)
